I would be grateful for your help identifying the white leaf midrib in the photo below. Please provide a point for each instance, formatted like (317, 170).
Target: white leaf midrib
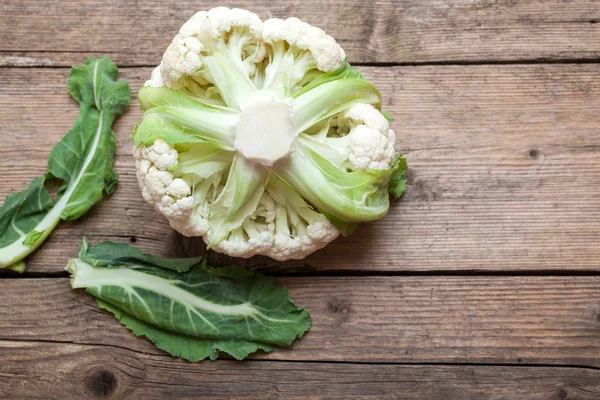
(89, 276)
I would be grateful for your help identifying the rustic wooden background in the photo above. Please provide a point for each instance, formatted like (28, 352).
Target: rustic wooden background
(483, 282)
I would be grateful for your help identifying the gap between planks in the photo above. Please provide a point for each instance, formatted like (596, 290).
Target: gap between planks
(22, 62)
(382, 31)
(227, 358)
(9, 274)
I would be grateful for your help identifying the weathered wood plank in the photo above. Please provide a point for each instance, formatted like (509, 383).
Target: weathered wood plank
(494, 320)
(504, 172)
(78, 372)
(137, 32)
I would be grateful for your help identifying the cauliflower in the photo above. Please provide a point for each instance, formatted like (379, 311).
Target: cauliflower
(170, 196)
(261, 138)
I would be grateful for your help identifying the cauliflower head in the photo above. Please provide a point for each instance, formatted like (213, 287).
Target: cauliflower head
(261, 138)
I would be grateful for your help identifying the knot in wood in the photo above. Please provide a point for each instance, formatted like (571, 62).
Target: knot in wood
(101, 382)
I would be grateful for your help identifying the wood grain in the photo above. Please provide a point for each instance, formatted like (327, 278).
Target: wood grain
(78, 372)
(504, 176)
(60, 33)
(493, 320)
(504, 172)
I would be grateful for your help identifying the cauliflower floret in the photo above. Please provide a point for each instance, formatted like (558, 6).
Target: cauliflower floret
(176, 209)
(318, 235)
(156, 182)
(213, 23)
(196, 225)
(169, 196)
(178, 188)
(156, 79)
(369, 142)
(238, 246)
(367, 114)
(322, 231)
(324, 49)
(212, 31)
(179, 61)
(203, 32)
(260, 234)
(370, 148)
(161, 154)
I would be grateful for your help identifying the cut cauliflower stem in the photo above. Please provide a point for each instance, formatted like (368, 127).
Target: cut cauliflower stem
(261, 138)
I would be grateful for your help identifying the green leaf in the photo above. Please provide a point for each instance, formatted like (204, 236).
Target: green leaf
(397, 184)
(357, 196)
(329, 98)
(195, 314)
(232, 271)
(332, 155)
(22, 212)
(344, 227)
(186, 347)
(345, 198)
(177, 118)
(239, 198)
(110, 254)
(233, 83)
(387, 115)
(343, 72)
(203, 160)
(82, 161)
(32, 237)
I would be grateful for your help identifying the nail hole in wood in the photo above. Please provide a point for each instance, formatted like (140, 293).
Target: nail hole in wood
(533, 153)
(133, 239)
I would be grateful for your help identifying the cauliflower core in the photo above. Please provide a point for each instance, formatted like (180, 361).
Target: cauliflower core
(265, 132)
(260, 137)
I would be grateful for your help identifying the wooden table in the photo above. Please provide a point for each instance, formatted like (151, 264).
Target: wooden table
(483, 282)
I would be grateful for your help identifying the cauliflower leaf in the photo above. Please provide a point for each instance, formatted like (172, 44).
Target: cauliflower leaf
(187, 308)
(82, 162)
